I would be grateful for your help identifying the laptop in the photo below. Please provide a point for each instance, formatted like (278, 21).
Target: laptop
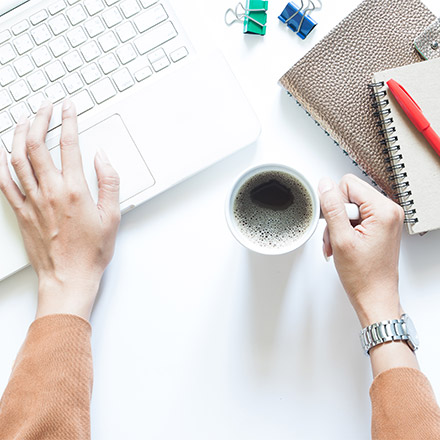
(161, 102)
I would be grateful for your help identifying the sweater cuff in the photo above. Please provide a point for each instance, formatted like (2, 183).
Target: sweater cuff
(51, 322)
(403, 406)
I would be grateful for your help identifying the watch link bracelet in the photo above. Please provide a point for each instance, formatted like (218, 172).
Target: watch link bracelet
(386, 331)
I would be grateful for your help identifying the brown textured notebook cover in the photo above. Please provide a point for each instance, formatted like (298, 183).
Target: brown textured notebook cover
(331, 80)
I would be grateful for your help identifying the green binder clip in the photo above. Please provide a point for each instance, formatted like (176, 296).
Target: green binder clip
(253, 16)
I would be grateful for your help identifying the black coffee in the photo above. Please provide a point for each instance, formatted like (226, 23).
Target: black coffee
(273, 209)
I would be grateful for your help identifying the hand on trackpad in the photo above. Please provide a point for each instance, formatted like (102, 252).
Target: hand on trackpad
(112, 136)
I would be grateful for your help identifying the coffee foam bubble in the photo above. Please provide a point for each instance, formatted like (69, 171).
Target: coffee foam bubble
(269, 228)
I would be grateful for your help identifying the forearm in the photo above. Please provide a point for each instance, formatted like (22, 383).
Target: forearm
(48, 394)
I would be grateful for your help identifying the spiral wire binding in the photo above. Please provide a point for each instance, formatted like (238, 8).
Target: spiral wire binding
(393, 157)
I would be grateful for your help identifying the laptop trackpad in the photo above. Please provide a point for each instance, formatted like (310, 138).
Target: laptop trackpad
(113, 137)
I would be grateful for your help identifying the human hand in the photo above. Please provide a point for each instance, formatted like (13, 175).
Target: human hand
(69, 239)
(366, 256)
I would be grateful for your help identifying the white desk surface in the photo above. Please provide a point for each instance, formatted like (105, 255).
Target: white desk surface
(196, 338)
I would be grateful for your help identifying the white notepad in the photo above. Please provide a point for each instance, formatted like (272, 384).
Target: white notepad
(413, 164)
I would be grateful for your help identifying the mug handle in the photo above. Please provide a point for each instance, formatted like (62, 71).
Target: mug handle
(352, 211)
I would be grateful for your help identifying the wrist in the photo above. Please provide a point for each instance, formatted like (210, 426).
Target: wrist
(66, 296)
(368, 317)
(377, 310)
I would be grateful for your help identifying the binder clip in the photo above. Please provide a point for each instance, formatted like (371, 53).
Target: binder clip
(253, 16)
(298, 19)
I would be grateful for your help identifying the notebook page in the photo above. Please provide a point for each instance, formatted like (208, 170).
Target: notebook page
(422, 164)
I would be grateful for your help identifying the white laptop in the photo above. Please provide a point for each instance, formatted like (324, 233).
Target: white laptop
(161, 102)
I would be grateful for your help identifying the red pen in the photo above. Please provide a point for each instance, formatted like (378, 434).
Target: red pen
(415, 114)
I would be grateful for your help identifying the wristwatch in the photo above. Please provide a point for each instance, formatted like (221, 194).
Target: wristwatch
(386, 331)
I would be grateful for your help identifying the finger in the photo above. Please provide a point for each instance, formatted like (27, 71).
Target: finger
(19, 159)
(333, 209)
(37, 151)
(108, 187)
(326, 245)
(358, 191)
(70, 152)
(8, 187)
(370, 201)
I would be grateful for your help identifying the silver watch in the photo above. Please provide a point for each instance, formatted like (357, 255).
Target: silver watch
(386, 331)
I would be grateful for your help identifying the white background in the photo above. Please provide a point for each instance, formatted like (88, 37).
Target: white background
(193, 336)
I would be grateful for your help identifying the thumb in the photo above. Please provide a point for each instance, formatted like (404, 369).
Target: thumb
(108, 186)
(333, 209)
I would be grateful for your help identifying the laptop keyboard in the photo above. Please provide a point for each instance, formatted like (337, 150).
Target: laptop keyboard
(89, 50)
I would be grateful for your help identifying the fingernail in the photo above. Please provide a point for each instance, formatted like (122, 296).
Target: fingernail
(325, 184)
(45, 103)
(327, 258)
(22, 119)
(67, 103)
(102, 156)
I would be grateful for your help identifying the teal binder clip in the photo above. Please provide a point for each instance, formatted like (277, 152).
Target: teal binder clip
(253, 16)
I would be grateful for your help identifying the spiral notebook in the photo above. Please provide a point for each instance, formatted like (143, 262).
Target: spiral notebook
(331, 81)
(413, 165)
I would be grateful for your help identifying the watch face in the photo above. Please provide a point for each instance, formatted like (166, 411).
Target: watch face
(411, 332)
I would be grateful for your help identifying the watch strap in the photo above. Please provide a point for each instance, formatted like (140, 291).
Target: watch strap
(381, 332)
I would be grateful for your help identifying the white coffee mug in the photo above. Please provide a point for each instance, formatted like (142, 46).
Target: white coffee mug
(246, 241)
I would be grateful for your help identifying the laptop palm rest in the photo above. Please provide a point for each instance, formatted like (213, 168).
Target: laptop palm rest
(112, 136)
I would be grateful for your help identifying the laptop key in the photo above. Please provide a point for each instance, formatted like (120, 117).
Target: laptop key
(112, 17)
(20, 27)
(123, 80)
(73, 83)
(142, 74)
(147, 3)
(155, 38)
(41, 34)
(59, 46)
(56, 7)
(6, 54)
(7, 75)
(55, 93)
(35, 101)
(76, 15)
(23, 44)
(108, 63)
(76, 36)
(94, 27)
(129, 8)
(93, 6)
(126, 31)
(5, 122)
(37, 80)
(91, 73)
(23, 66)
(4, 36)
(21, 109)
(150, 18)
(90, 51)
(5, 99)
(41, 56)
(58, 24)
(19, 90)
(103, 90)
(38, 17)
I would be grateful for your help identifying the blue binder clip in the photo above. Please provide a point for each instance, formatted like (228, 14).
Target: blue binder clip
(298, 19)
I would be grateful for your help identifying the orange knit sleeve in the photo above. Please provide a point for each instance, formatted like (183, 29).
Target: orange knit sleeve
(404, 406)
(49, 391)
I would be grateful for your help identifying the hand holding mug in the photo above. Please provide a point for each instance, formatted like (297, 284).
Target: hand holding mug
(366, 255)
